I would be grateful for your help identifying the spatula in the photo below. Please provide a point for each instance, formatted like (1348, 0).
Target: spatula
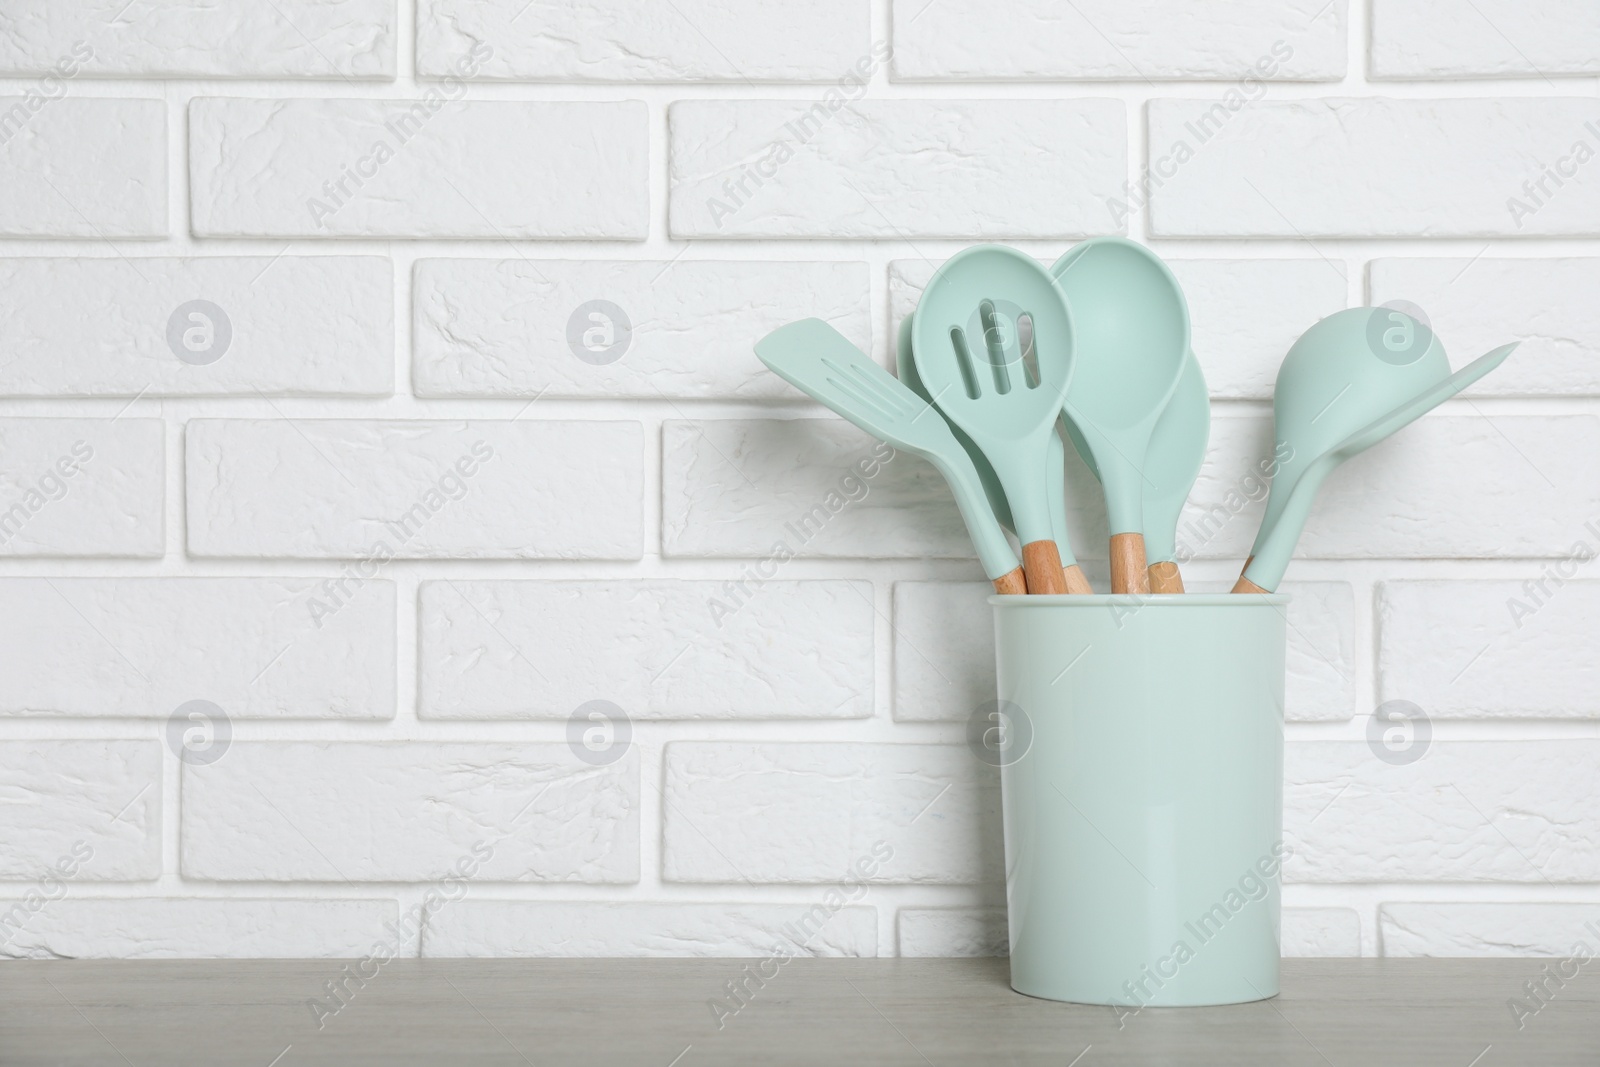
(1055, 476)
(1131, 337)
(1351, 380)
(819, 361)
(967, 347)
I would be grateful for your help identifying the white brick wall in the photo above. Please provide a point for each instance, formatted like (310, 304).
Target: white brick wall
(399, 540)
(285, 326)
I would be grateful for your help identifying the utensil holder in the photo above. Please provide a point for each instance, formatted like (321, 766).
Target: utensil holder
(1142, 781)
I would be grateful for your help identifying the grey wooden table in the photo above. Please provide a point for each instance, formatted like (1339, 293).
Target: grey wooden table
(656, 1013)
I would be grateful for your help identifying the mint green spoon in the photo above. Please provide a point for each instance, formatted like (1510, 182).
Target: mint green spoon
(1056, 476)
(1171, 464)
(1131, 337)
(820, 362)
(1351, 380)
(967, 348)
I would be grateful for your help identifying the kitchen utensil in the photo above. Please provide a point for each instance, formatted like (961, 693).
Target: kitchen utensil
(1055, 485)
(1055, 477)
(1351, 380)
(967, 348)
(816, 359)
(1131, 337)
(1171, 465)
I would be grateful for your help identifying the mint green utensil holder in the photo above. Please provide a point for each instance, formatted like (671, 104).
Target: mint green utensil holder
(1142, 782)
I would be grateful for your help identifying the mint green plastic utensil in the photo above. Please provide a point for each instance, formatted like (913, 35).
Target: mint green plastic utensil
(1171, 465)
(1346, 370)
(1131, 337)
(1351, 380)
(819, 361)
(1055, 478)
(967, 347)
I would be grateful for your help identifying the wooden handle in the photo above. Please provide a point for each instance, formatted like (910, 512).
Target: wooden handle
(1164, 578)
(1077, 581)
(1011, 584)
(1042, 563)
(1127, 564)
(1245, 585)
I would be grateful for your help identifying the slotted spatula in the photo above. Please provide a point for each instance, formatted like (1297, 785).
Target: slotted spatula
(1055, 476)
(820, 362)
(968, 352)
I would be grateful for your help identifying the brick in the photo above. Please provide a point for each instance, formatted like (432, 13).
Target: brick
(296, 325)
(256, 647)
(410, 811)
(614, 41)
(931, 812)
(366, 489)
(1485, 928)
(735, 487)
(1494, 649)
(895, 168)
(196, 927)
(673, 329)
(502, 169)
(945, 932)
(284, 39)
(90, 811)
(1476, 305)
(1448, 486)
(82, 167)
(82, 487)
(943, 650)
(1372, 168)
(480, 928)
(944, 654)
(1157, 40)
(1320, 666)
(1486, 811)
(1483, 38)
(1245, 313)
(1321, 932)
(656, 649)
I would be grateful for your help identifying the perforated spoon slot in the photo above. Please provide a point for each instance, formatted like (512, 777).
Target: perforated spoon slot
(969, 377)
(1030, 351)
(994, 342)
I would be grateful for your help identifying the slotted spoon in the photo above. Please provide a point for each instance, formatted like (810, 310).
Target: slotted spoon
(1055, 476)
(968, 353)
